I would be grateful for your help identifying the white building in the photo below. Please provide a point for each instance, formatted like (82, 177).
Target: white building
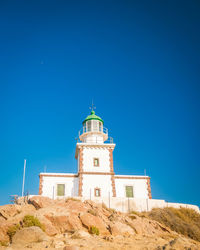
(95, 176)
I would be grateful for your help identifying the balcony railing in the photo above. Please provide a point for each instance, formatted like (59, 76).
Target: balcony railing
(87, 130)
(96, 141)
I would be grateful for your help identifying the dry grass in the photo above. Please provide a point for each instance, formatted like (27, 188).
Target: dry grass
(140, 214)
(111, 210)
(182, 220)
(71, 199)
(132, 217)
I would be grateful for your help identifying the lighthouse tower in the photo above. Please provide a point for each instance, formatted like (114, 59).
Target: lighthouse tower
(94, 154)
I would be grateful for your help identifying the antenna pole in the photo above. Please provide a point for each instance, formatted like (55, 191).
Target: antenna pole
(23, 177)
(92, 107)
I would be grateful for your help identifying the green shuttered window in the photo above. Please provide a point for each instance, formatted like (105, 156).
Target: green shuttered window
(129, 191)
(60, 189)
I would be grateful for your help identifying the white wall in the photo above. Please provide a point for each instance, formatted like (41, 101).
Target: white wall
(94, 138)
(139, 187)
(90, 182)
(89, 153)
(50, 186)
(127, 205)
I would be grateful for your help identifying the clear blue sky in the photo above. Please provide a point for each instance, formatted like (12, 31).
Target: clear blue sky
(138, 60)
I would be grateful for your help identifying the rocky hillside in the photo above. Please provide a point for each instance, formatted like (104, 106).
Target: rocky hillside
(71, 224)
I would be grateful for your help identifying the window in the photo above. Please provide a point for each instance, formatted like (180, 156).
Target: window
(60, 189)
(129, 191)
(88, 126)
(95, 126)
(84, 128)
(96, 162)
(97, 192)
(100, 126)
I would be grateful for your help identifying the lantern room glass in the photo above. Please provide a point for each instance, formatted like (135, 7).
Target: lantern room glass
(93, 126)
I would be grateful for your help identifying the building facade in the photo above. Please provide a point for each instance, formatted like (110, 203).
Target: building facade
(95, 175)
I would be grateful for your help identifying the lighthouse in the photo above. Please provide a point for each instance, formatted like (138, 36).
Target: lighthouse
(95, 176)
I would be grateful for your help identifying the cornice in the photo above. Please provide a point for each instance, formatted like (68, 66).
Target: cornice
(97, 173)
(132, 177)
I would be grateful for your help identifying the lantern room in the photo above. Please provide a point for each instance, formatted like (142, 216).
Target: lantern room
(93, 130)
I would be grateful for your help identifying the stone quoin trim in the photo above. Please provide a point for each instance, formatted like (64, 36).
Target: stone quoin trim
(112, 171)
(80, 186)
(149, 188)
(41, 184)
(113, 185)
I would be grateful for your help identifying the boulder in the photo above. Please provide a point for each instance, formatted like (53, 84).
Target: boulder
(4, 229)
(80, 234)
(49, 227)
(179, 243)
(58, 244)
(76, 206)
(146, 227)
(26, 208)
(8, 211)
(41, 201)
(29, 235)
(89, 220)
(2, 220)
(65, 223)
(119, 228)
(71, 248)
(3, 234)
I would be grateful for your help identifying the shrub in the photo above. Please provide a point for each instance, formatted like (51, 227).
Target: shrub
(94, 230)
(12, 231)
(4, 243)
(30, 221)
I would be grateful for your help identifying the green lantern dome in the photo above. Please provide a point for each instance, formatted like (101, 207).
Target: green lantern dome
(92, 116)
